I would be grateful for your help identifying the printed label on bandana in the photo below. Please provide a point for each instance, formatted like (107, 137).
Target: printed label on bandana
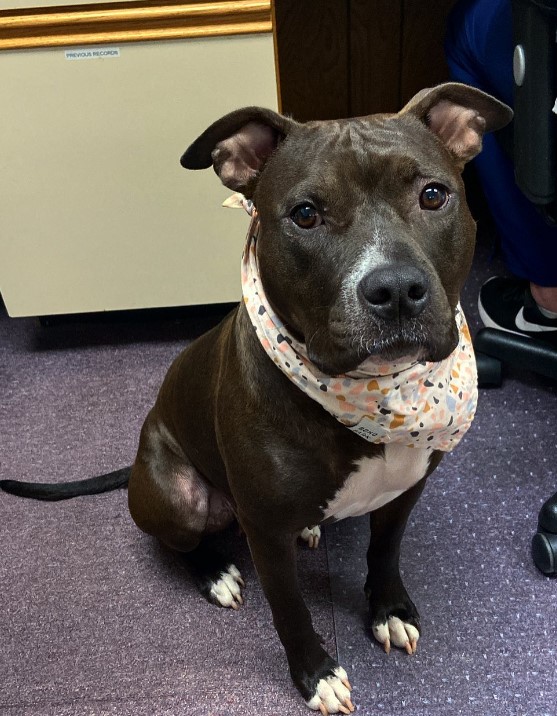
(369, 430)
(417, 404)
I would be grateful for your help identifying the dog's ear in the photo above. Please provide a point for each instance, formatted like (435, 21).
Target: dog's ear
(238, 145)
(459, 115)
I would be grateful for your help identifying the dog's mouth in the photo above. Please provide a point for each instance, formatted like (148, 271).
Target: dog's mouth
(345, 351)
(411, 344)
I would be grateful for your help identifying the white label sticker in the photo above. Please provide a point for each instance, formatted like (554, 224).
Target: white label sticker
(370, 430)
(92, 53)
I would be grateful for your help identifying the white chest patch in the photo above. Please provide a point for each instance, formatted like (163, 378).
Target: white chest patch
(378, 480)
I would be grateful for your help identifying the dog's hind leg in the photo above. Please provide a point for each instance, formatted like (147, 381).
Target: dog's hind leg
(217, 578)
(311, 535)
(170, 500)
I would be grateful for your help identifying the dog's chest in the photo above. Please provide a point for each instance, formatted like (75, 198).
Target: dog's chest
(378, 480)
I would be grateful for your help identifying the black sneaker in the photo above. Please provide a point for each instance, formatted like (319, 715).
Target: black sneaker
(507, 304)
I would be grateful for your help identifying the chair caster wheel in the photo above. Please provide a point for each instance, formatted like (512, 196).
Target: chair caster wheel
(489, 371)
(544, 552)
(547, 520)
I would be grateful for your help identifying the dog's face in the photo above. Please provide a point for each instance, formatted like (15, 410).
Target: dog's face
(365, 239)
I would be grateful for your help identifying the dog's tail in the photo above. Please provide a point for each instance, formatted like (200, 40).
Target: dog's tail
(67, 490)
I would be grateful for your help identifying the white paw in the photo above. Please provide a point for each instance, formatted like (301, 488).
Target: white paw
(311, 535)
(227, 591)
(332, 694)
(395, 631)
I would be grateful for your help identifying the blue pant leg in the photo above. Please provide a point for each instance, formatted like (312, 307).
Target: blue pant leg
(479, 52)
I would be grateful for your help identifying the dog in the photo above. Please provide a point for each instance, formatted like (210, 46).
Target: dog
(344, 375)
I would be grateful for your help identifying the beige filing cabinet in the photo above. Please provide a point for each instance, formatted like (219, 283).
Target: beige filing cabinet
(96, 211)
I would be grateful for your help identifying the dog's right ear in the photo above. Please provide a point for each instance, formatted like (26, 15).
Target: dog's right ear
(238, 145)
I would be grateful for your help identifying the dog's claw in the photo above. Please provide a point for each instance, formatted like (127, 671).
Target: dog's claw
(225, 590)
(398, 633)
(349, 705)
(332, 694)
(311, 535)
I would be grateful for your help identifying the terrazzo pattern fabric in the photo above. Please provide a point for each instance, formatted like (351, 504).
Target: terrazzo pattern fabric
(98, 620)
(416, 403)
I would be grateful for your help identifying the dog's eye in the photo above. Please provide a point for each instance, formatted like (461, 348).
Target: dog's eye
(306, 216)
(433, 197)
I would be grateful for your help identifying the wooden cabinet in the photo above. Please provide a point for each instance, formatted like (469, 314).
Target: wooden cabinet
(97, 213)
(344, 58)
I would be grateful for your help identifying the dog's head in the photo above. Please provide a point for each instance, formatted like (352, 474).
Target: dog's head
(365, 238)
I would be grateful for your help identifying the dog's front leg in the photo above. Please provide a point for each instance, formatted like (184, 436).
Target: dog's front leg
(321, 681)
(394, 618)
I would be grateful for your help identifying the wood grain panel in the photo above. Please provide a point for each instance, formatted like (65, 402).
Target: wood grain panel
(423, 60)
(375, 49)
(130, 21)
(312, 52)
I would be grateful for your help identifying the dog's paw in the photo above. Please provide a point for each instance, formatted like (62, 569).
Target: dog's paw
(311, 535)
(226, 589)
(397, 632)
(332, 694)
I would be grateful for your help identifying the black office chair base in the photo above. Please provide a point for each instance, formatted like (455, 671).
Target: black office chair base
(544, 542)
(494, 347)
(490, 371)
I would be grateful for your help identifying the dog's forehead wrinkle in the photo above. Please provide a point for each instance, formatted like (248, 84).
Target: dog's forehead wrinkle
(349, 158)
(419, 144)
(353, 135)
(368, 141)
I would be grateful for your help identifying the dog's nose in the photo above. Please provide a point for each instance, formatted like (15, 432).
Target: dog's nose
(395, 291)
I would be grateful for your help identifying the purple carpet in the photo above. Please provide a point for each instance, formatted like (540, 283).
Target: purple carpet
(97, 619)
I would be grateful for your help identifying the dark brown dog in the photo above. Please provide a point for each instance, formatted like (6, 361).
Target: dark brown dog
(231, 437)
(355, 214)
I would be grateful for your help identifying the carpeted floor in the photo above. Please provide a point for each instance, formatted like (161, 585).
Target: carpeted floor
(97, 619)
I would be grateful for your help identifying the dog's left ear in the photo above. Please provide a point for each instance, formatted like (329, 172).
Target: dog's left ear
(459, 115)
(238, 145)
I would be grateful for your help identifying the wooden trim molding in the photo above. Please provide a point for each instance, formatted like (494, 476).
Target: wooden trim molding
(117, 22)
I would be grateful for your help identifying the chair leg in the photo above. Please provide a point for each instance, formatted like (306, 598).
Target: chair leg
(519, 351)
(490, 374)
(544, 542)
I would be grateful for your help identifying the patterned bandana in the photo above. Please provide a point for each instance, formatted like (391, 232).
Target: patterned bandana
(419, 404)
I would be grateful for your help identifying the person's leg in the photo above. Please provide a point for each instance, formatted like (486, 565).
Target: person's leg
(479, 52)
(546, 298)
